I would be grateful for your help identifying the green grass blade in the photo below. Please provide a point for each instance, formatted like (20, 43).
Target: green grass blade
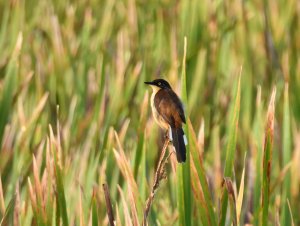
(231, 148)
(141, 134)
(286, 149)
(10, 84)
(57, 213)
(60, 193)
(208, 217)
(267, 159)
(7, 218)
(228, 189)
(92, 59)
(257, 137)
(183, 172)
(180, 196)
(94, 210)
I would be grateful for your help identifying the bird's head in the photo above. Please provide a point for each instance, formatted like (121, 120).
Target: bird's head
(159, 84)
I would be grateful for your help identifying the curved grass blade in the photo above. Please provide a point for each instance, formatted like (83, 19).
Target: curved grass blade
(239, 201)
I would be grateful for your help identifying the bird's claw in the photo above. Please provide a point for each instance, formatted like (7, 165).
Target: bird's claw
(167, 135)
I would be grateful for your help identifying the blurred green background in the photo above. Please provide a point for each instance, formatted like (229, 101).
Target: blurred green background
(74, 110)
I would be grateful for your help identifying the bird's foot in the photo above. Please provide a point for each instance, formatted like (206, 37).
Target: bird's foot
(167, 135)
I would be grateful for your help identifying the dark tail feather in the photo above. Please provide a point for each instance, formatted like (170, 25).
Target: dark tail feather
(178, 142)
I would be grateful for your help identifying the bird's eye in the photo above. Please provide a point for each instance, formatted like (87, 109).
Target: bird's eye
(159, 83)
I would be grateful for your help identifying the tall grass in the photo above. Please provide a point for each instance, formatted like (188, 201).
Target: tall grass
(74, 111)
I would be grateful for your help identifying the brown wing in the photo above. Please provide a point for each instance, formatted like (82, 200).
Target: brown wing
(169, 107)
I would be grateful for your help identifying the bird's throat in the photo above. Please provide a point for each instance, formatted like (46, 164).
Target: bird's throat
(157, 117)
(155, 89)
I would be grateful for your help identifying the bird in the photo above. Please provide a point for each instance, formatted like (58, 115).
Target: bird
(168, 113)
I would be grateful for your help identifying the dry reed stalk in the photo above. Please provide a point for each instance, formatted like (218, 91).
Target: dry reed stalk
(159, 175)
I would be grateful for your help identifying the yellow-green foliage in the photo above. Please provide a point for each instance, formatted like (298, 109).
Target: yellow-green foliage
(74, 111)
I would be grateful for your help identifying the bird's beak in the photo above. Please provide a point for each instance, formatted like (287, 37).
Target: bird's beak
(149, 83)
